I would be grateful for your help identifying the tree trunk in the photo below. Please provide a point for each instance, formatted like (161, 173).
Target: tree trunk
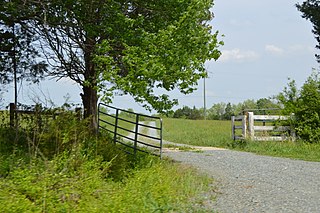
(90, 94)
(90, 101)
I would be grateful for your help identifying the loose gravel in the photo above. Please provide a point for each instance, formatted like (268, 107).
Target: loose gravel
(246, 182)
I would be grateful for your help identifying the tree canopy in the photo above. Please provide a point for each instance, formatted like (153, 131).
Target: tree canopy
(132, 46)
(18, 54)
(310, 10)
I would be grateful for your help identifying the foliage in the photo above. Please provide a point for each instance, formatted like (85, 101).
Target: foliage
(127, 46)
(308, 110)
(18, 52)
(188, 113)
(310, 10)
(64, 168)
(223, 111)
(305, 104)
(44, 187)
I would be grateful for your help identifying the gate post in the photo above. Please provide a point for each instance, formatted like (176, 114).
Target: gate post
(136, 135)
(244, 126)
(12, 113)
(116, 127)
(233, 128)
(251, 125)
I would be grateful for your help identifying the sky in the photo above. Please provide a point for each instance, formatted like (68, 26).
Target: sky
(265, 43)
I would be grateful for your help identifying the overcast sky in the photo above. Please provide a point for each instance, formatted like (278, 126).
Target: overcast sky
(266, 42)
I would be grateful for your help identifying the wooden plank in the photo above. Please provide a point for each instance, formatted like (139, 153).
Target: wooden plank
(270, 117)
(274, 138)
(272, 128)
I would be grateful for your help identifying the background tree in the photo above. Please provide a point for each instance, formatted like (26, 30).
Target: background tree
(217, 111)
(267, 107)
(132, 46)
(310, 10)
(19, 57)
(229, 111)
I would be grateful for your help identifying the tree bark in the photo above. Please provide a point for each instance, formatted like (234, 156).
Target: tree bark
(90, 101)
(90, 94)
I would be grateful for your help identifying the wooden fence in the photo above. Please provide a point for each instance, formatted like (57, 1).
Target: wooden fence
(36, 111)
(265, 132)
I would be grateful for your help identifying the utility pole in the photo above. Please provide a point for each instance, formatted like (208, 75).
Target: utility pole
(204, 99)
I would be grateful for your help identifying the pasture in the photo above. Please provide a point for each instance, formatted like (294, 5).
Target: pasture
(218, 134)
(197, 132)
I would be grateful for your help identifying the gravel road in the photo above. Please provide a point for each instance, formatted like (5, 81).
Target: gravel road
(247, 182)
(251, 183)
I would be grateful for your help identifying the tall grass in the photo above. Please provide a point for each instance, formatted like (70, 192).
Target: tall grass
(67, 169)
(157, 187)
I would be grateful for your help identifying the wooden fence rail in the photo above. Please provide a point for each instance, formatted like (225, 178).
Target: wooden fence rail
(37, 111)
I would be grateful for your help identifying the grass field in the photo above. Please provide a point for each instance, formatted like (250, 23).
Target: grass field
(218, 134)
(197, 132)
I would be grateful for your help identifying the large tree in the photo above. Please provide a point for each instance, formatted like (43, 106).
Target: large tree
(129, 45)
(310, 10)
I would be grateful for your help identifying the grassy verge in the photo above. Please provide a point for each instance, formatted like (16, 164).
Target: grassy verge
(156, 187)
(67, 169)
(295, 150)
(218, 134)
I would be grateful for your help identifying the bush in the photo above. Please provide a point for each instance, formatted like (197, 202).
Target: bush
(305, 104)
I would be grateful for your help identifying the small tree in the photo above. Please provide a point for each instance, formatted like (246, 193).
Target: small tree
(305, 104)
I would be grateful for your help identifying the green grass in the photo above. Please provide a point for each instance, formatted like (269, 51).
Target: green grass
(124, 124)
(218, 134)
(161, 186)
(295, 150)
(197, 132)
(67, 169)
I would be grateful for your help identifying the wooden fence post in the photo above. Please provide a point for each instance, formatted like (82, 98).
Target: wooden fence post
(251, 125)
(78, 113)
(12, 113)
(244, 126)
(233, 130)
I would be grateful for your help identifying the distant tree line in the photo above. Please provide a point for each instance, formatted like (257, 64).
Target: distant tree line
(224, 111)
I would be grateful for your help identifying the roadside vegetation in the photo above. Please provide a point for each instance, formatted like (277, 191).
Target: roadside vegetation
(63, 167)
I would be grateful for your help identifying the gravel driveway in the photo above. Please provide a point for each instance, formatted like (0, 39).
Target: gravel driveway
(251, 183)
(246, 182)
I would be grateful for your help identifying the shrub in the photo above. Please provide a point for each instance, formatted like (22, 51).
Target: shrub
(305, 104)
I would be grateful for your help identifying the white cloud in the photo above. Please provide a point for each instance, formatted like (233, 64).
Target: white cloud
(295, 49)
(238, 55)
(298, 48)
(274, 50)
